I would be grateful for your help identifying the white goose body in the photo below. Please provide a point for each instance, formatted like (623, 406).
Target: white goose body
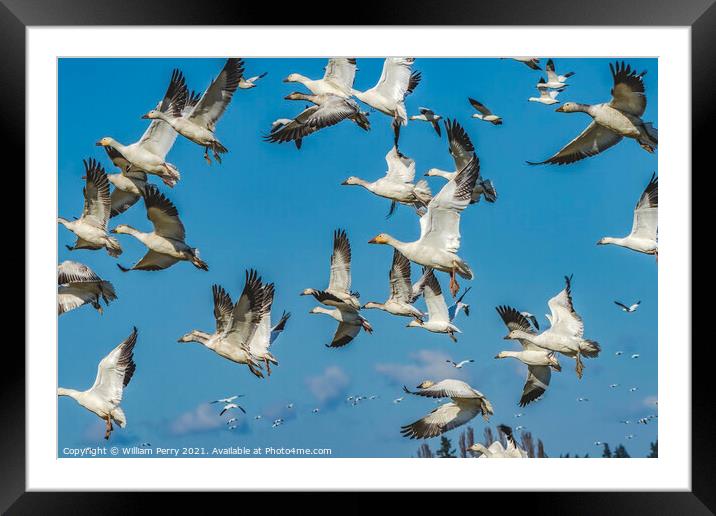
(401, 290)
(337, 79)
(397, 184)
(644, 232)
(91, 227)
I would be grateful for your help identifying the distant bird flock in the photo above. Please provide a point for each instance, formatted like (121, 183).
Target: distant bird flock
(244, 330)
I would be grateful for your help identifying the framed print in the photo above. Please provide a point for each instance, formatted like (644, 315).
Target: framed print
(290, 257)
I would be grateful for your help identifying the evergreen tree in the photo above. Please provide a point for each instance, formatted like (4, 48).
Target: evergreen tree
(654, 450)
(620, 452)
(607, 453)
(444, 451)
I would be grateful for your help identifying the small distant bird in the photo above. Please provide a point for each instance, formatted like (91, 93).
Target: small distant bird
(233, 427)
(315, 411)
(582, 399)
(459, 305)
(373, 397)
(613, 385)
(289, 406)
(633, 389)
(532, 62)
(635, 355)
(625, 421)
(643, 421)
(546, 96)
(521, 427)
(531, 318)
(398, 400)
(245, 84)
(277, 422)
(227, 400)
(619, 353)
(630, 436)
(145, 445)
(428, 115)
(458, 365)
(519, 414)
(258, 417)
(232, 420)
(626, 308)
(598, 443)
(484, 113)
(350, 398)
(230, 406)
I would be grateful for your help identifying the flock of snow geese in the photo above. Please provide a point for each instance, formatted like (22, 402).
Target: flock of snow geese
(244, 329)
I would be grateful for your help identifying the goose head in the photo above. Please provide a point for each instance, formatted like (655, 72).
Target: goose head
(152, 114)
(415, 323)
(104, 142)
(297, 96)
(569, 107)
(352, 180)
(294, 77)
(372, 304)
(382, 238)
(122, 229)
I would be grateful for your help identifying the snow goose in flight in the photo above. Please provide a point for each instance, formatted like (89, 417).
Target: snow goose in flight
(397, 184)
(266, 334)
(554, 80)
(628, 309)
(484, 113)
(113, 375)
(439, 320)
(91, 227)
(401, 290)
(612, 120)
(79, 285)
(440, 228)
(531, 62)
(249, 83)
(461, 364)
(326, 111)
(466, 404)
(643, 236)
(337, 80)
(166, 243)
(566, 332)
(338, 293)
(462, 151)
(350, 323)
(227, 400)
(538, 360)
(497, 451)
(428, 115)
(235, 324)
(231, 406)
(148, 154)
(396, 82)
(199, 124)
(546, 96)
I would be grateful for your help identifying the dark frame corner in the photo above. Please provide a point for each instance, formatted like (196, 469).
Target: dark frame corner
(16, 15)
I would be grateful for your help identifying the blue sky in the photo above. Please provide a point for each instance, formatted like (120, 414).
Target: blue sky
(275, 208)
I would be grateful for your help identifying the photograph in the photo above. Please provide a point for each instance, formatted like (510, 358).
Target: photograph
(377, 257)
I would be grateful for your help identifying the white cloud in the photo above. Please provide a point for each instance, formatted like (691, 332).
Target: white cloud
(330, 386)
(427, 365)
(201, 419)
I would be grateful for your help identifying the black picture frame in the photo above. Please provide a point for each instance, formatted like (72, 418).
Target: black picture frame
(17, 15)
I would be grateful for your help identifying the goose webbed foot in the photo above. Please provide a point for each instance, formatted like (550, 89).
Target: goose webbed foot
(206, 155)
(108, 428)
(580, 366)
(452, 336)
(454, 285)
(268, 366)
